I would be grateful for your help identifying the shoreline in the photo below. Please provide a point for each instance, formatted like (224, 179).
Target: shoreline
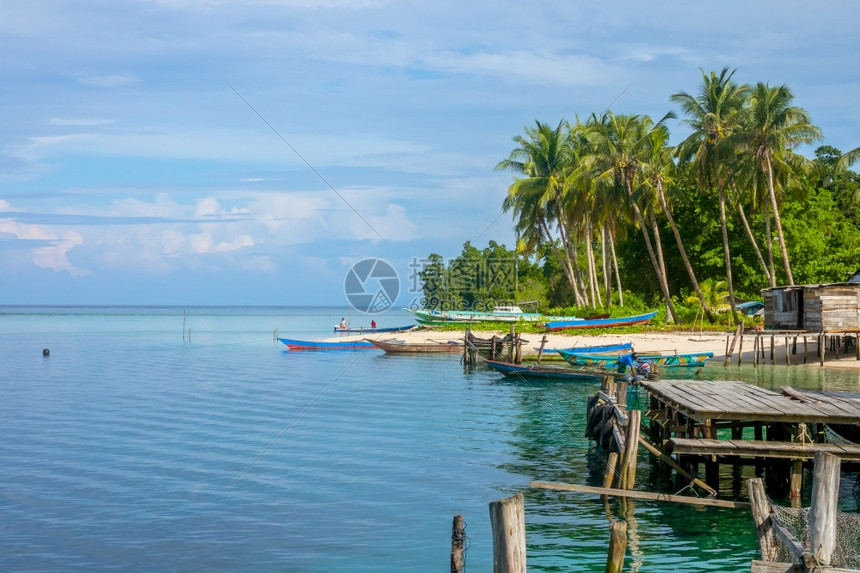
(650, 342)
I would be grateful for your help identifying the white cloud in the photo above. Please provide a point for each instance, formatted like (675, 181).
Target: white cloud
(107, 80)
(53, 255)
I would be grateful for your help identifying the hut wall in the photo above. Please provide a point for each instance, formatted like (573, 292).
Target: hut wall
(832, 307)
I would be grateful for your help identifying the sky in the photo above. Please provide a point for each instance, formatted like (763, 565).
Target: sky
(250, 152)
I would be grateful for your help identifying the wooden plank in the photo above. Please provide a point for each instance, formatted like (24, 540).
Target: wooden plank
(775, 567)
(641, 495)
(753, 448)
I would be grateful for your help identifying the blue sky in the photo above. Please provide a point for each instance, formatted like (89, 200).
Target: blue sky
(131, 172)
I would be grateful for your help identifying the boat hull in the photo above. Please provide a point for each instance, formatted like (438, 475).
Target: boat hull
(611, 361)
(317, 345)
(546, 372)
(600, 322)
(417, 348)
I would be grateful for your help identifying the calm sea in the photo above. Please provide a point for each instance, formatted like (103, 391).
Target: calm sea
(138, 446)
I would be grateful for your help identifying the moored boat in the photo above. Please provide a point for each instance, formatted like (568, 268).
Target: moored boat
(600, 322)
(620, 347)
(548, 372)
(370, 330)
(320, 345)
(400, 347)
(611, 360)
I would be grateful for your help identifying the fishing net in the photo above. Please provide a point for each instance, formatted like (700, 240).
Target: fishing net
(847, 550)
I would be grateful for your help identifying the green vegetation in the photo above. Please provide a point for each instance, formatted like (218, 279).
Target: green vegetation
(610, 217)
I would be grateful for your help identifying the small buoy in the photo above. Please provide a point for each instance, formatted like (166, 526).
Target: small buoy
(46, 352)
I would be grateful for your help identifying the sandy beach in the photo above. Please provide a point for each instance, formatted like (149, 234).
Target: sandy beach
(650, 342)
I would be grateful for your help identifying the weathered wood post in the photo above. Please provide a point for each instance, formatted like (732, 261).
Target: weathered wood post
(507, 517)
(611, 464)
(805, 349)
(787, 353)
(761, 517)
(772, 355)
(631, 448)
(540, 350)
(458, 536)
(755, 349)
(617, 547)
(796, 482)
(741, 344)
(822, 341)
(822, 513)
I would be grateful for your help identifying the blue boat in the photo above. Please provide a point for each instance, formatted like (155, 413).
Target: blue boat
(369, 330)
(318, 345)
(600, 322)
(620, 347)
(548, 372)
(611, 361)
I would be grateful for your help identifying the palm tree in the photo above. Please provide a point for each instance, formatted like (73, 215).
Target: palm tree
(773, 127)
(543, 157)
(619, 143)
(656, 175)
(713, 114)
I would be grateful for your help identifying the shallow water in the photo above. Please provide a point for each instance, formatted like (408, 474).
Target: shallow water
(129, 447)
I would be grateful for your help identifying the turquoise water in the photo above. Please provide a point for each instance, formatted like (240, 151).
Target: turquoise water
(131, 448)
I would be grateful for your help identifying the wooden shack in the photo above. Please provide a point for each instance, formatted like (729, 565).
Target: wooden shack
(816, 308)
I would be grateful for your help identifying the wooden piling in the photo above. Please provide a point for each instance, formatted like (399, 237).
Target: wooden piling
(805, 349)
(772, 356)
(741, 345)
(755, 349)
(507, 518)
(822, 514)
(761, 517)
(787, 353)
(822, 341)
(617, 547)
(611, 463)
(540, 350)
(796, 482)
(458, 537)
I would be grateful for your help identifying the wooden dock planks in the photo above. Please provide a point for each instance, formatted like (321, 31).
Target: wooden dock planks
(731, 400)
(752, 448)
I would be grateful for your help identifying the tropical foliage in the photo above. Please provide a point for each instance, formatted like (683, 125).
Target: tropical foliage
(606, 208)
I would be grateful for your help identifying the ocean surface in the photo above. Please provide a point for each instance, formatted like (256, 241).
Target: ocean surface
(189, 439)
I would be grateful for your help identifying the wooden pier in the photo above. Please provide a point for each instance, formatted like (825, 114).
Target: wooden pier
(686, 416)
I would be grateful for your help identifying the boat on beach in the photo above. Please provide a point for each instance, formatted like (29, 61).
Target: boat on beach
(498, 314)
(401, 347)
(599, 322)
(320, 345)
(370, 330)
(548, 372)
(611, 360)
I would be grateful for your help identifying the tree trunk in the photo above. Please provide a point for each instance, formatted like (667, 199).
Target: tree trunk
(607, 282)
(777, 221)
(564, 266)
(687, 265)
(754, 244)
(615, 267)
(658, 246)
(726, 254)
(769, 242)
(565, 241)
(589, 261)
(661, 279)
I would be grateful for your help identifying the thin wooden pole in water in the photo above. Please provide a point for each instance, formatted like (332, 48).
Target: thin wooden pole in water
(755, 349)
(458, 536)
(540, 350)
(787, 353)
(617, 547)
(822, 513)
(761, 517)
(741, 345)
(507, 518)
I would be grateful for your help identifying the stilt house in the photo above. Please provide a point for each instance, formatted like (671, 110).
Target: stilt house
(816, 308)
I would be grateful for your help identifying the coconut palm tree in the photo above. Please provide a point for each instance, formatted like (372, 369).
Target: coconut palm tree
(772, 127)
(656, 173)
(543, 158)
(619, 144)
(713, 113)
